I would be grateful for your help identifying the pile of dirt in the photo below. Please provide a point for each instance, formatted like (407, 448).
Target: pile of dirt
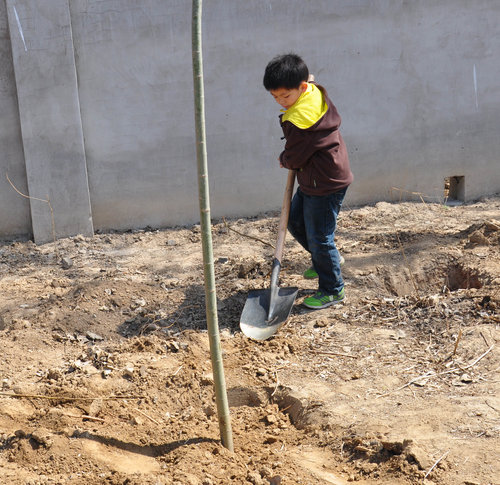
(106, 374)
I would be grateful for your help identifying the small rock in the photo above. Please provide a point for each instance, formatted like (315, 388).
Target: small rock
(207, 379)
(477, 238)
(82, 339)
(140, 302)
(255, 478)
(492, 225)
(271, 419)
(420, 382)
(421, 457)
(270, 440)
(93, 336)
(174, 346)
(128, 372)
(54, 374)
(171, 242)
(276, 480)
(321, 322)
(466, 378)
(95, 407)
(261, 371)
(66, 263)
(43, 438)
(136, 420)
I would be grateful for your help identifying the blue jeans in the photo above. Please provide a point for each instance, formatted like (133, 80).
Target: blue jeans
(312, 223)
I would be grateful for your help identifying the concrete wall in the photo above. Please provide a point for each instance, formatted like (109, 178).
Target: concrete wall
(415, 81)
(14, 210)
(51, 127)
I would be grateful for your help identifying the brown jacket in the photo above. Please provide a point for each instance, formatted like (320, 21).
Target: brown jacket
(318, 153)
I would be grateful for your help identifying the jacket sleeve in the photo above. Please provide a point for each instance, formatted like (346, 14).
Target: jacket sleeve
(299, 147)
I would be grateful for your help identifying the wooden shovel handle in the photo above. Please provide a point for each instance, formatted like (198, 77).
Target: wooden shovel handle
(285, 212)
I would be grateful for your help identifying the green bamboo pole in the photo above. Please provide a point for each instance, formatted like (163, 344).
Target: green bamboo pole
(208, 259)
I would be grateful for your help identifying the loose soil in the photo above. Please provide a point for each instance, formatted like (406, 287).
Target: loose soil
(106, 375)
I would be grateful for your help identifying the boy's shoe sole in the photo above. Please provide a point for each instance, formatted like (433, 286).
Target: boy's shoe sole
(321, 300)
(310, 273)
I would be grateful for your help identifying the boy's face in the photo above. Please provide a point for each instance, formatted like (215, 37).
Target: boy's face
(287, 97)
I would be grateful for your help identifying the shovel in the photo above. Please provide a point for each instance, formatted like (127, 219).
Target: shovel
(265, 311)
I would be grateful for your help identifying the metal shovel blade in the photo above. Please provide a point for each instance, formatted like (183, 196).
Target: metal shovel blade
(255, 321)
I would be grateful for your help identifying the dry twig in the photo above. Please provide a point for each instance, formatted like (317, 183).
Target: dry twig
(145, 415)
(459, 336)
(338, 354)
(492, 407)
(277, 384)
(67, 398)
(435, 464)
(402, 191)
(47, 201)
(484, 338)
(84, 416)
(177, 371)
(246, 235)
(435, 374)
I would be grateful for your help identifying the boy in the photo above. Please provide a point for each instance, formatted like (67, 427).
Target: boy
(316, 150)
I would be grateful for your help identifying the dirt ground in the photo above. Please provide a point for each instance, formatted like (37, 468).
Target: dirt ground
(106, 375)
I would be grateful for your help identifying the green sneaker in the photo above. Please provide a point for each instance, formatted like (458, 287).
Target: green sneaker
(322, 300)
(310, 273)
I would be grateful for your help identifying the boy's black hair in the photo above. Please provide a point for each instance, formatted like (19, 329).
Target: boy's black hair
(285, 71)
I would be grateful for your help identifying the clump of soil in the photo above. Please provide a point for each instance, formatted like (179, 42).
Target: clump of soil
(106, 374)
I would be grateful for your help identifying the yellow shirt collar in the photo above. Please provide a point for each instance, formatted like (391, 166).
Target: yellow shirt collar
(308, 108)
